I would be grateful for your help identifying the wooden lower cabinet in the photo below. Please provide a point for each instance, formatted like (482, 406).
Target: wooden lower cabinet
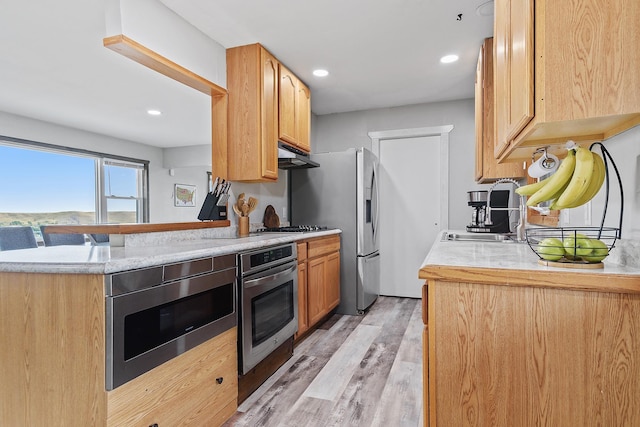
(199, 387)
(303, 318)
(320, 281)
(425, 355)
(52, 370)
(498, 355)
(316, 279)
(332, 285)
(52, 356)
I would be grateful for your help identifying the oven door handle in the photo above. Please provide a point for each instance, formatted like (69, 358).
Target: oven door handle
(270, 278)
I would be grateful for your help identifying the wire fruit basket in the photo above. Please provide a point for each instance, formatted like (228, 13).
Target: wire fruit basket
(572, 246)
(579, 247)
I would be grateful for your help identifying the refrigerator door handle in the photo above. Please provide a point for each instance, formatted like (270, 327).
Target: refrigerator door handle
(371, 257)
(376, 206)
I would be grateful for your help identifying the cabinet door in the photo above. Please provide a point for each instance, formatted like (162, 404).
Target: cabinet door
(479, 111)
(487, 167)
(303, 322)
(269, 115)
(514, 78)
(252, 146)
(303, 117)
(199, 387)
(287, 105)
(316, 273)
(332, 282)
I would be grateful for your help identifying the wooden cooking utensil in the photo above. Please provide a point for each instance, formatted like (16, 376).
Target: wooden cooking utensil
(240, 201)
(253, 202)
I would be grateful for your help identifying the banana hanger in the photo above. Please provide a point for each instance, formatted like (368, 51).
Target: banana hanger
(606, 155)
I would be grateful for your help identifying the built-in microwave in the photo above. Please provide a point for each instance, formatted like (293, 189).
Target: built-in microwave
(157, 313)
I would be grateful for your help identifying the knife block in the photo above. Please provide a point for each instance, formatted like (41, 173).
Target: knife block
(210, 210)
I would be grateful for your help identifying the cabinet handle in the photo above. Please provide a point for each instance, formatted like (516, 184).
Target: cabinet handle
(219, 380)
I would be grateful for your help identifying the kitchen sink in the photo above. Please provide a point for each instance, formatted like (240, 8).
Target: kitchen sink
(476, 237)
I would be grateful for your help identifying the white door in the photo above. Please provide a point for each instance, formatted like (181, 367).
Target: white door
(411, 196)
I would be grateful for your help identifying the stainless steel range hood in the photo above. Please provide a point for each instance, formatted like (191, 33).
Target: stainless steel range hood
(290, 158)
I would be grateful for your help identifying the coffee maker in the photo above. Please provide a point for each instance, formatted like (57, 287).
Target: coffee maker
(500, 218)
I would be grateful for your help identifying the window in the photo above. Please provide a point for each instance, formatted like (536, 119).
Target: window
(122, 197)
(44, 184)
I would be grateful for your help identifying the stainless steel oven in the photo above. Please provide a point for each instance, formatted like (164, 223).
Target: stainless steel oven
(268, 302)
(155, 314)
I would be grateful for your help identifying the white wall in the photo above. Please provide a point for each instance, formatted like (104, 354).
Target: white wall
(158, 28)
(625, 150)
(336, 132)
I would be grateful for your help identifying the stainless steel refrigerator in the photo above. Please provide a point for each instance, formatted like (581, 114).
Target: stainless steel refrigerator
(343, 193)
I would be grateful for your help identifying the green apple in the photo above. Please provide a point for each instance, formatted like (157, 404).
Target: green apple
(599, 251)
(577, 246)
(550, 249)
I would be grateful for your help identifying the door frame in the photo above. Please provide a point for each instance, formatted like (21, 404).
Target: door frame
(443, 132)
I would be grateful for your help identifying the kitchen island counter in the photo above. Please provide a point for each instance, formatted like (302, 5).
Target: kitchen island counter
(105, 260)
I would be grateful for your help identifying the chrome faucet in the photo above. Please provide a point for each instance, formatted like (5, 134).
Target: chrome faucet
(520, 229)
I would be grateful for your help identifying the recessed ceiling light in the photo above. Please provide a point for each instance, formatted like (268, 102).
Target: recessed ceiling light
(485, 9)
(447, 59)
(320, 73)
(154, 112)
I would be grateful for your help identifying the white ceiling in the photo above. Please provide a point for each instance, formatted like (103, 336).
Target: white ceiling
(380, 53)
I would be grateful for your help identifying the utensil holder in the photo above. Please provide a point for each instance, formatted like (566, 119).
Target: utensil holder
(243, 226)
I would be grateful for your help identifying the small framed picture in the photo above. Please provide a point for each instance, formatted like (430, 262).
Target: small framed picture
(184, 195)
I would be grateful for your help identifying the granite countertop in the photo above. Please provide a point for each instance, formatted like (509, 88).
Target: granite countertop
(516, 263)
(149, 250)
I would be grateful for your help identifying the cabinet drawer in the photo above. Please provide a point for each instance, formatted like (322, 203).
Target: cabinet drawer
(302, 251)
(199, 387)
(323, 245)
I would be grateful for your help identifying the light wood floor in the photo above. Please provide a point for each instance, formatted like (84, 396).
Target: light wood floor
(353, 371)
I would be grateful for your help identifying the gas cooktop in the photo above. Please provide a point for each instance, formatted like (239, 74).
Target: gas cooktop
(292, 229)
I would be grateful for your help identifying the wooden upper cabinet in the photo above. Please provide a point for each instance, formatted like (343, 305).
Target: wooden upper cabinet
(479, 119)
(287, 105)
(294, 110)
(487, 168)
(266, 103)
(586, 60)
(269, 115)
(252, 83)
(513, 34)
(303, 117)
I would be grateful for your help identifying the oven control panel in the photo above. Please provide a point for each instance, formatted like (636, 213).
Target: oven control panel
(264, 258)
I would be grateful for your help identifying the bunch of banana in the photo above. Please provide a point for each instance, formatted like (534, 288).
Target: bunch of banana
(577, 180)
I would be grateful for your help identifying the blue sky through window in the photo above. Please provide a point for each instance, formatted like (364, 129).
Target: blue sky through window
(42, 181)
